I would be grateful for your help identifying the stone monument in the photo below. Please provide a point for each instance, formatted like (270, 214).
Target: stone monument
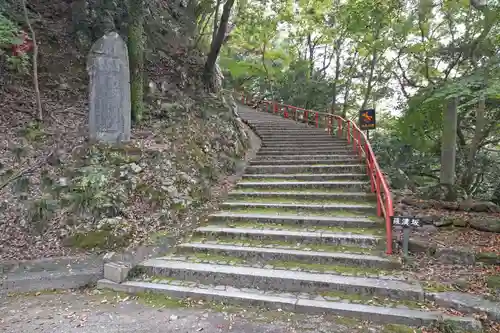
(109, 85)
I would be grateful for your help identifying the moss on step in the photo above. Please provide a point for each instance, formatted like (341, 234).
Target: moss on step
(493, 281)
(276, 226)
(219, 258)
(298, 190)
(287, 200)
(267, 243)
(290, 211)
(395, 328)
(290, 265)
(436, 287)
(341, 180)
(337, 269)
(337, 295)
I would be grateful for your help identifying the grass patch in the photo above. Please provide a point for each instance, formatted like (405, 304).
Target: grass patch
(275, 226)
(97, 239)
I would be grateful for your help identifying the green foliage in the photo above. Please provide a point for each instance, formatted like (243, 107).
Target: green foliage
(9, 35)
(350, 54)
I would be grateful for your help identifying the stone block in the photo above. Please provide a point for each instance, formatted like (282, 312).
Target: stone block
(116, 272)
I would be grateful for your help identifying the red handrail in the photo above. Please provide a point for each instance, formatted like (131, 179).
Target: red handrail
(360, 144)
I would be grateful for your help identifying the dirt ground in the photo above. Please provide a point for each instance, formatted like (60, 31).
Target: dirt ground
(93, 311)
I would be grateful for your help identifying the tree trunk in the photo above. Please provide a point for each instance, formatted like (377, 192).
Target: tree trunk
(369, 85)
(337, 51)
(448, 148)
(216, 20)
(310, 47)
(468, 178)
(39, 109)
(136, 57)
(217, 44)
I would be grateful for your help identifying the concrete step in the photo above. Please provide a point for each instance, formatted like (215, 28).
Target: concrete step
(304, 195)
(292, 141)
(306, 143)
(292, 131)
(304, 207)
(295, 219)
(264, 254)
(293, 137)
(349, 186)
(352, 168)
(313, 303)
(215, 232)
(301, 159)
(306, 151)
(280, 279)
(304, 146)
(305, 176)
(260, 154)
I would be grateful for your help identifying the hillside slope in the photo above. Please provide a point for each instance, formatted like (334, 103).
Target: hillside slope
(59, 194)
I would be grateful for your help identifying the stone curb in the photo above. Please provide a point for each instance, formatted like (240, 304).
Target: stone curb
(50, 273)
(117, 265)
(466, 303)
(442, 254)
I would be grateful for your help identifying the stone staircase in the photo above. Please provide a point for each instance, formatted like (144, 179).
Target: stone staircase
(299, 233)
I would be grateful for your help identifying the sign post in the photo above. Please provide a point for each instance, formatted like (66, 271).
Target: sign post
(367, 121)
(407, 222)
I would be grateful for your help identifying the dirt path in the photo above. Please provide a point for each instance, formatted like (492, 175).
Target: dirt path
(88, 312)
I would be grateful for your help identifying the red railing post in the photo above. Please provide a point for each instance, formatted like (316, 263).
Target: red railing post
(388, 227)
(379, 196)
(306, 117)
(317, 120)
(348, 132)
(354, 138)
(339, 129)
